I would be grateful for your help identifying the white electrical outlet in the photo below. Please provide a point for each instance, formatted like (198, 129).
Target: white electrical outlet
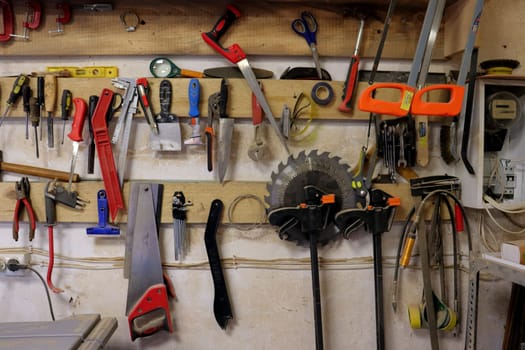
(23, 259)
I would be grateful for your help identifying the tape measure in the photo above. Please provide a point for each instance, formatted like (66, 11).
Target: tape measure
(446, 318)
(86, 72)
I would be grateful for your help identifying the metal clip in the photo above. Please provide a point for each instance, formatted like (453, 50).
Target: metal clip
(130, 15)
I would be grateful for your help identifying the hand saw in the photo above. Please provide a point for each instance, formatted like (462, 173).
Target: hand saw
(147, 305)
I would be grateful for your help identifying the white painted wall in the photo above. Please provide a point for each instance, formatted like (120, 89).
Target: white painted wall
(272, 304)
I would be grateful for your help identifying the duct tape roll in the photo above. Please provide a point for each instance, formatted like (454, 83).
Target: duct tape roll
(322, 93)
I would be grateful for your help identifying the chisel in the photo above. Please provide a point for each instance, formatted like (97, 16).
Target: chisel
(50, 96)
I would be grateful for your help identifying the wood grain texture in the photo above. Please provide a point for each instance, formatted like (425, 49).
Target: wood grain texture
(174, 28)
(201, 194)
(277, 92)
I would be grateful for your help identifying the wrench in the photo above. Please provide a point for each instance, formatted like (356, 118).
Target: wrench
(401, 163)
(257, 148)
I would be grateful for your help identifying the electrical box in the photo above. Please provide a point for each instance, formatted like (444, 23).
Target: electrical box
(496, 143)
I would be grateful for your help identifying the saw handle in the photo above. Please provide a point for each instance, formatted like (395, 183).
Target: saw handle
(233, 53)
(151, 313)
(452, 108)
(368, 103)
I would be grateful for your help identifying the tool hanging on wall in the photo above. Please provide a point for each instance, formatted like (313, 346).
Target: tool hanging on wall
(63, 17)
(169, 136)
(221, 301)
(105, 153)
(258, 147)
(92, 105)
(351, 76)
(35, 171)
(65, 107)
(180, 239)
(23, 199)
(306, 26)
(147, 306)
(122, 132)
(163, 67)
(194, 95)
(32, 21)
(40, 84)
(75, 134)
(225, 131)
(103, 228)
(50, 92)
(235, 55)
(8, 19)
(15, 94)
(375, 211)
(145, 103)
(84, 72)
(433, 313)
(304, 196)
(26, 100)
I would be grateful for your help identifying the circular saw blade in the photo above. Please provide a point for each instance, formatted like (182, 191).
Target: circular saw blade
(319, 170)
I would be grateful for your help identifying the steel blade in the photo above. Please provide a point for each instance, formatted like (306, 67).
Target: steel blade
(247, 72)
(224, 146)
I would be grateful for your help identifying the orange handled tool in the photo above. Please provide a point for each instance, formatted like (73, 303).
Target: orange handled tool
(76, 133)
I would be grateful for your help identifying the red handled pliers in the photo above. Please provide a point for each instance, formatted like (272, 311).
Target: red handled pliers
(22, 199)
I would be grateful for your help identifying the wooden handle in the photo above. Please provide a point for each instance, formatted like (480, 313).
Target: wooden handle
(40, 172)
(50, 92)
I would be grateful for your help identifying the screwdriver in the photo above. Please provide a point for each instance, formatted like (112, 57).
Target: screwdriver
(26, 96)
(76, 133)
(34, 115)
(50, 97)
(40, 83)
(14, 94)
(66, 108)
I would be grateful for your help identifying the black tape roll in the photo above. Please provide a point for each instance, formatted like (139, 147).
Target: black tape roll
(319, 87)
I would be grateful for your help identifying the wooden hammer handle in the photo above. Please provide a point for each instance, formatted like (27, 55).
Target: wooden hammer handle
(35, 171)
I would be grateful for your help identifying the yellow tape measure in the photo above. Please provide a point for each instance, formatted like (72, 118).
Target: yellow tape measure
(86, 72)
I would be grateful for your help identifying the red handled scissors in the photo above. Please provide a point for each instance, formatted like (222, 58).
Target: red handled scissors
(306, 26)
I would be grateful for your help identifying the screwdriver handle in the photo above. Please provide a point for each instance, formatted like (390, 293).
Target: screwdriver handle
(40, 83)
(34, 111)
(26, 97)
(92, 105)
(50, 92)
(78, 120)
(17, 89)
(66, 104)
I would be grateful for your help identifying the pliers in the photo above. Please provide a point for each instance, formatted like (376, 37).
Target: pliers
(22, 189)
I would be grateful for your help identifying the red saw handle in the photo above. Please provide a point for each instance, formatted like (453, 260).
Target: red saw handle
(151, 313)
(233, 53)
(451, 108)
(105, 154)
(401, 108)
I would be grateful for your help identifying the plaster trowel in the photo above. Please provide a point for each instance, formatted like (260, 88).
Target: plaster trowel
(169, 136)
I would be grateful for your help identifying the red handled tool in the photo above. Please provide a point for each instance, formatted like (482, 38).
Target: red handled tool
(33, 19)
(63, 17)
(76, 134)
(22, 188)
(105, 154)
(235, 55)
(51, 221)
(7, 19)
(353, 69)
(143, 89)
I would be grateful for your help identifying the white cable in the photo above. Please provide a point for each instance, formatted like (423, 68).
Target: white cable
(487, 209)
(517, 208)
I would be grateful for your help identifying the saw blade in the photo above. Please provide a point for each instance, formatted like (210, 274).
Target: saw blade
(314, 169)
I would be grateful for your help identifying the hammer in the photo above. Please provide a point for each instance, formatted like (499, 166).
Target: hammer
(36, 171)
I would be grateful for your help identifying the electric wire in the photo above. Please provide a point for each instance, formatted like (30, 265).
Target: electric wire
(49, 303)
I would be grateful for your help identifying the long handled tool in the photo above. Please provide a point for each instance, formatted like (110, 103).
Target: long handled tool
(235, 55)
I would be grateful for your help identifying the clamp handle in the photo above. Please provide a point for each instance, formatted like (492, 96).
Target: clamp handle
(452, 108)
(400, 108)
(7, 19)
(36, 15)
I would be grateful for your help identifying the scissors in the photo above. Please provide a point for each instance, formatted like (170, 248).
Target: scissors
(306, 26)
